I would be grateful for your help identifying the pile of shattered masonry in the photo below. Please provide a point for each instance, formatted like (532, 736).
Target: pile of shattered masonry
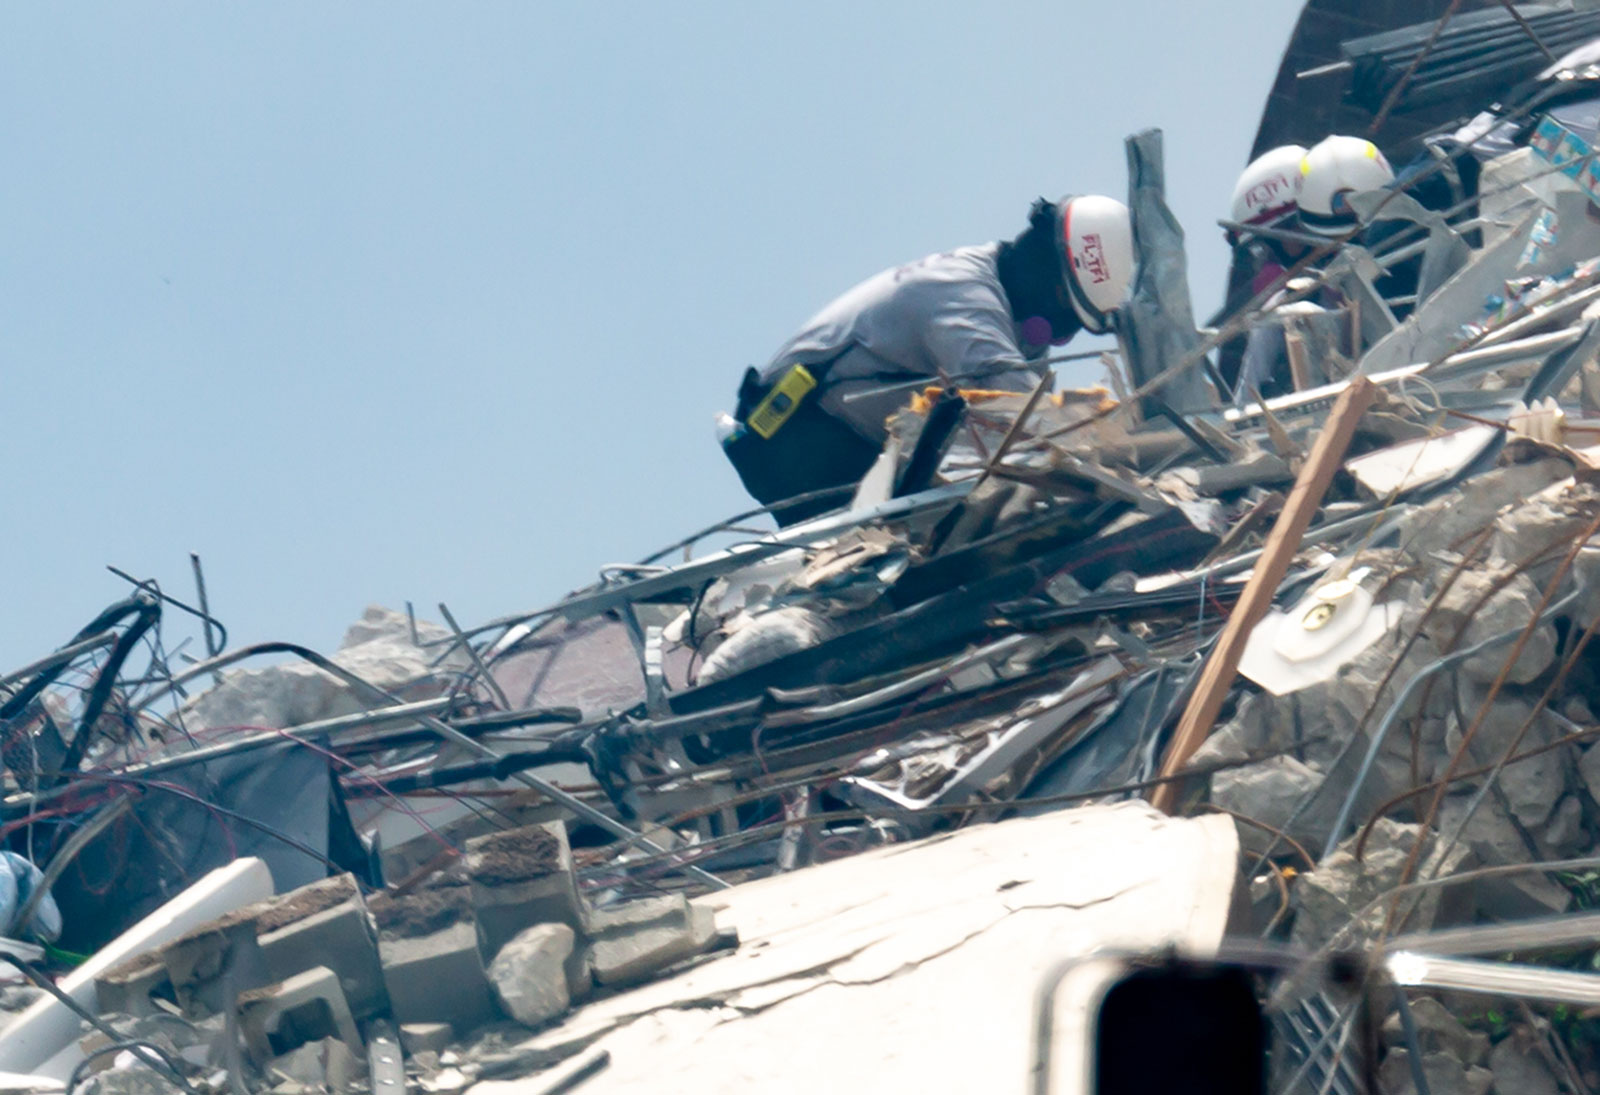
(1356, 618)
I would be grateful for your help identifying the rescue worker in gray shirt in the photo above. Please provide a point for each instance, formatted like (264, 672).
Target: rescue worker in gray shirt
(981, 317)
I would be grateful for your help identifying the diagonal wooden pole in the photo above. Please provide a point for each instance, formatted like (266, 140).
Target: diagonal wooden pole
(1282, 543)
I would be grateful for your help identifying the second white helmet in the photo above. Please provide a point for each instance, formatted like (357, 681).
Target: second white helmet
(1334, 167)
(1097, 256)
(1269, 187)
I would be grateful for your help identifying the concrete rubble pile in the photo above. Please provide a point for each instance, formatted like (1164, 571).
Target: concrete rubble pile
(1344, 630)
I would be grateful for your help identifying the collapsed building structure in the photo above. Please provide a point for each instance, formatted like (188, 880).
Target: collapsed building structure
(889, 760)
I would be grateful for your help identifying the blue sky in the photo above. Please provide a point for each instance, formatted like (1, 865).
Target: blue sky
(386, 301)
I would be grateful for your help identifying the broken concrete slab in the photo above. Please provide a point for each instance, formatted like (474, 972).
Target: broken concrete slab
(1589, 771)
(1447, 521)
(129, 988)
(529, 974)
(1564, 835)
(1542, 527)
(880, 955)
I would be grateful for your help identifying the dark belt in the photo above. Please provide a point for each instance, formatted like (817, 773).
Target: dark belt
(788, 445)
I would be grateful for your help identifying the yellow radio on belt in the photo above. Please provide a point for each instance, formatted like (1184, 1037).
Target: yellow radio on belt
(781, 402)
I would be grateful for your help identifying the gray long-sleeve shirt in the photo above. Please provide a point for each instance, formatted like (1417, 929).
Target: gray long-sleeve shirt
(945, 312)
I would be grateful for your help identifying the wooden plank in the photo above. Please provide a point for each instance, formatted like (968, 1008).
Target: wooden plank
(1282, 543)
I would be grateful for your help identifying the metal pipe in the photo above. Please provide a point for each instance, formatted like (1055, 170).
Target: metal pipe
(1541, 934)
(60, 657)
(477, 659)
(213, 646)
(402, 712)
(912, 683)
(1481, 978)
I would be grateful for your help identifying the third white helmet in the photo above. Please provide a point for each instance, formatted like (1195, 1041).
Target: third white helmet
(1334, 167)
(1097, 253)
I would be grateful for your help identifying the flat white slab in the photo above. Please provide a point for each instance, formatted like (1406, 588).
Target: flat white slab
(912, 967)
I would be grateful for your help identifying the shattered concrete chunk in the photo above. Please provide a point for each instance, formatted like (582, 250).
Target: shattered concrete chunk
(1589, 771)
(1475, 609)
(297, 692)
(1448, 521)
(1445, 1074)
(1329, 899)
(1544, 526)
(765, 637)
(207, 963)
(529, 974)
(1521, 1070)
(1496, 841)
(1533, 785)
(129, 987)
(1438, 1032)
(326, 1064)
(1270, 792)
(380, 624)
(1564, 835)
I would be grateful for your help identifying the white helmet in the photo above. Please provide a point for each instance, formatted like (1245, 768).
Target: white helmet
(1097, 254)
(1269, 187)
(1333, 168)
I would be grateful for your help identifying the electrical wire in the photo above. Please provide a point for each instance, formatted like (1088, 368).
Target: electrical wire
(39, 979)
(170, 1074)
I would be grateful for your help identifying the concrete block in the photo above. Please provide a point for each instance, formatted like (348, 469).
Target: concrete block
(342, 939)
(635, 952)
(438, 978)
(128, 988)
(529, 974)
(426, 1037)
(519, 878)
(206, 965)
(284, 909)
(307, 1007)
(634, 914)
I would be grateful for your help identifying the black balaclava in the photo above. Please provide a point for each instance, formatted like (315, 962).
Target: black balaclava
(1031, 273)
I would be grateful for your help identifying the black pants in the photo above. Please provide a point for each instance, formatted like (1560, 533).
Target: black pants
(811, 451)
